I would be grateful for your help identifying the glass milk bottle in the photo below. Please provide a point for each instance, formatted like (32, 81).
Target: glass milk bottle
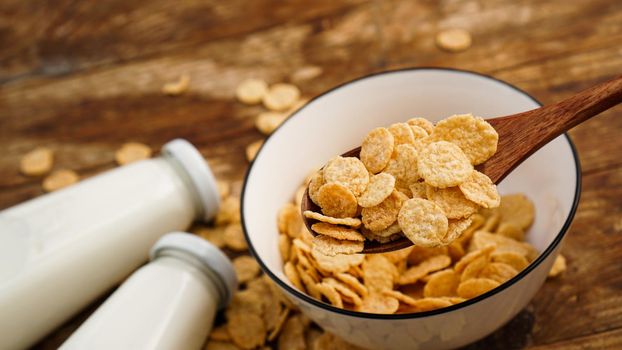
(60, 251)
(169, 303)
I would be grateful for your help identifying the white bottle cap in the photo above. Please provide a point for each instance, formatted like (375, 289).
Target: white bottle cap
(199, 173)
(207, 254)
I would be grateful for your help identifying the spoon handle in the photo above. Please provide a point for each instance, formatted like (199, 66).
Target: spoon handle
(520, 135)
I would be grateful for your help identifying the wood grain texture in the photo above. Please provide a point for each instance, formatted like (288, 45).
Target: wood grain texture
(85, 77)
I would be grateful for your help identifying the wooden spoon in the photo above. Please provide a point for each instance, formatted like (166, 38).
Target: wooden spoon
(520, 135)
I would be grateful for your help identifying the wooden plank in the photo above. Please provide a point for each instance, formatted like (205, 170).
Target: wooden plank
(104, 33)
(605, 340)
(505, 34)
(588, 297)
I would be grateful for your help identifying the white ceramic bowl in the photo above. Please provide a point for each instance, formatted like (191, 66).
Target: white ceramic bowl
(336, 122)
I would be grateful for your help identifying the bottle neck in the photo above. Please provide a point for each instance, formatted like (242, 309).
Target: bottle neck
(193, 265)
(185, 179)
(195, 171)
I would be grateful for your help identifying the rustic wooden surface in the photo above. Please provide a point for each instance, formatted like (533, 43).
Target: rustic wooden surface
(84, 77)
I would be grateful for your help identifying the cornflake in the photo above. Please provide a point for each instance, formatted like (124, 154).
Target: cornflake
(330, 293)
(378, 304)
(59, 179)
(215, 235)
(377, 149)
(516, 260)
(517, 209)
(559, 266)
(281, 97)
(178, 87)
(352, 222)
(247, 330)
(381, 216)
(292, 334)
(224, 188)
(404, 166)
(442, 284)
(234, 237)
(476, 137)
(475, 287)
(251, 91)
(415, 273)
(402, 134)
(132, 152)
(349, 172)
(246, 268)
(455, 228)
(229, 212)
(497, 271)
(337, 232)
(267, 122)
(443, 164)
(252, 149)
(387, 232)
(220, 333)
(316, 182)
(480, 189)
(345, 292)
(422, 123)
(379, 273)
(336, 264)
(37, 162)
(428, 304)
(454, 40)
(453, 203)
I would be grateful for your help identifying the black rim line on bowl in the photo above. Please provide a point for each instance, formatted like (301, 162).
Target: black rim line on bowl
(447, 309)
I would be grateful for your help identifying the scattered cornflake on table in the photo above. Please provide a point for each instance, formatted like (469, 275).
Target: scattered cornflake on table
(59, 179)
(252, 149)
(178, 87)
(251, 91)
(224, 188)
(246, 268)
(306, 73)
(281, 96)
(234, 237)
(37, 162)
(220, 333)
(559, 266)
(267, 122)
(229, 212)
(132, 152)
(292, 334)
(454, 40)
(215, 235)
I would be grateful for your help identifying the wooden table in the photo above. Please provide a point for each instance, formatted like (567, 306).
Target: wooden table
(84, 77)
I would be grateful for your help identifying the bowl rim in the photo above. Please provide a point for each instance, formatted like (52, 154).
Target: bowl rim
(414, 315)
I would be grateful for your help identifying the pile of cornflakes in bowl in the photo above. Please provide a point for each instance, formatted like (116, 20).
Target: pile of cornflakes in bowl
(417, 180)
(490, 251)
